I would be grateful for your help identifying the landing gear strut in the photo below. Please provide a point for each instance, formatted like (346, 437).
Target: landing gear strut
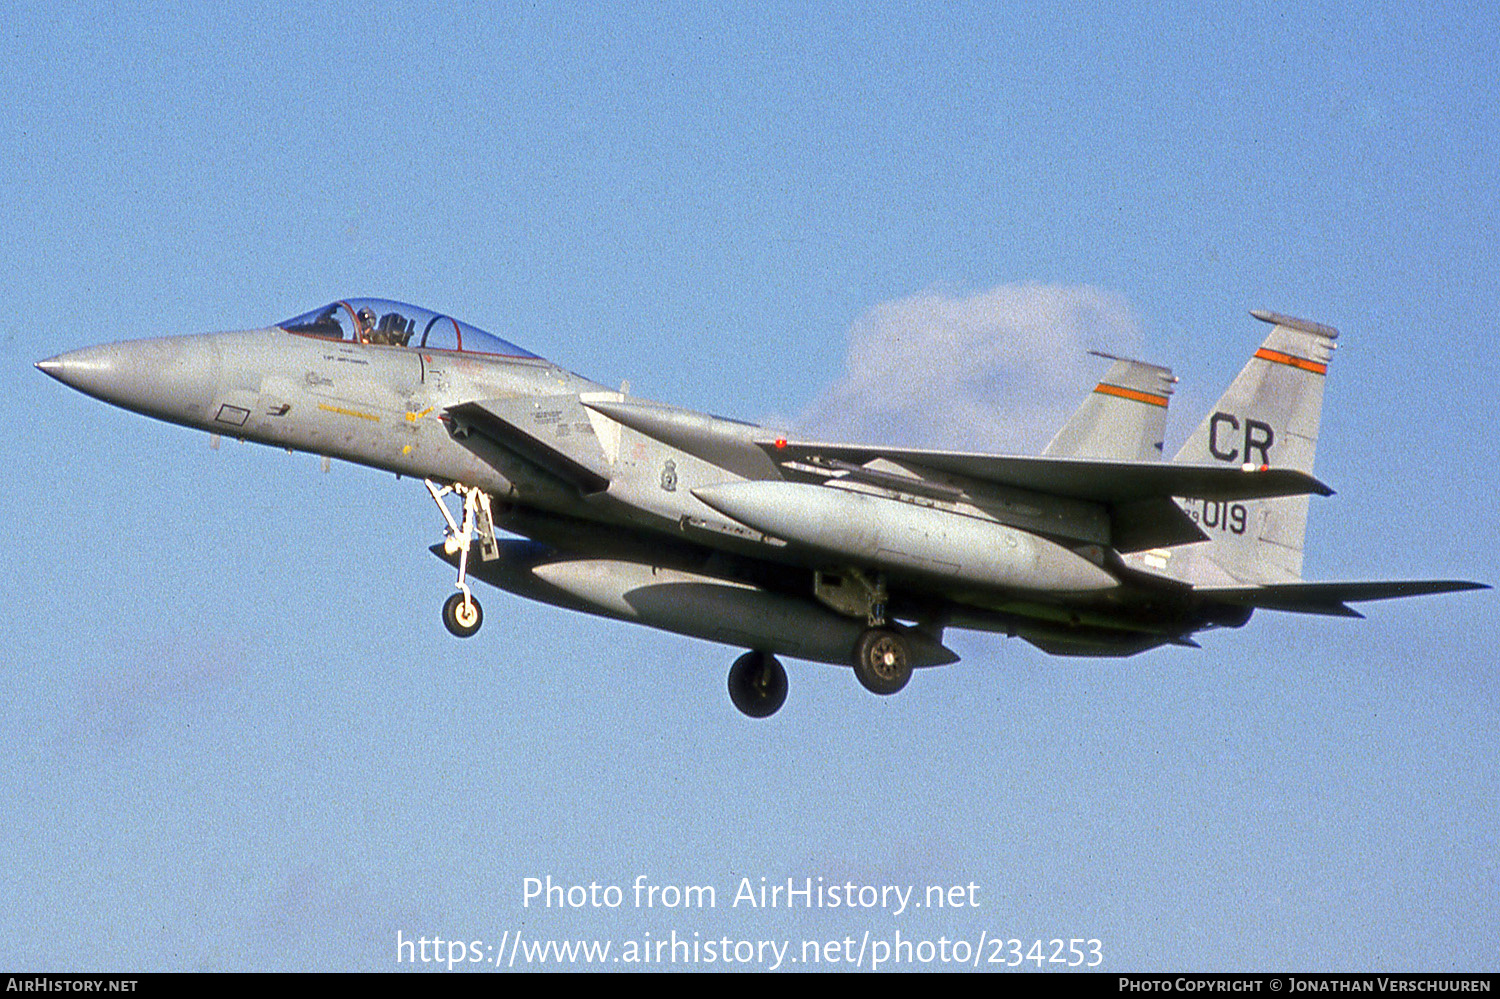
(757, 684)
(882, 658)
(882, 662)
(461, 613)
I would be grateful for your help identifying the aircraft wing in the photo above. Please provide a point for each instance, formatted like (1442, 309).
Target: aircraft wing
(1114, 483)
(1331, 598)
(733, 446)
(1138, 495)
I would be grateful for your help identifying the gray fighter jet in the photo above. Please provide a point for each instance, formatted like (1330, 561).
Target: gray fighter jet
(854, 555)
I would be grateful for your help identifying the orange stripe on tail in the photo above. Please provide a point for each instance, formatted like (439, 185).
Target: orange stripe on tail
(1292, 361)
(1104, 388)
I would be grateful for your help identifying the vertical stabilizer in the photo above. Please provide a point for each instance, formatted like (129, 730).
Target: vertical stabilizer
(1268, 417)
(1122, 419)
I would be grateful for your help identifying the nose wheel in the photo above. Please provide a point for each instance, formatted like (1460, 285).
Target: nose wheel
(461, 614)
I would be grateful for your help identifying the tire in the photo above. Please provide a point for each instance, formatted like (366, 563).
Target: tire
(757, 684)
(462, 617)
(882, 662)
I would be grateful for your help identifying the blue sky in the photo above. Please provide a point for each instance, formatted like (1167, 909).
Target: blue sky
(238, 737)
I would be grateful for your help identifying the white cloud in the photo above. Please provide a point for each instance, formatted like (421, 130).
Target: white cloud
(993, 370)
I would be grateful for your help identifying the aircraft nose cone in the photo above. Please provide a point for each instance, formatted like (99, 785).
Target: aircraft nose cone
(171, 377)
(92, 369)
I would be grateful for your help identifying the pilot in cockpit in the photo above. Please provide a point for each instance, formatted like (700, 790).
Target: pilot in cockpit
(365, 324)
(394, 329)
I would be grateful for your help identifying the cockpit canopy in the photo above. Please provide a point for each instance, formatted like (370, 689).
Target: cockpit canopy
(395, 324)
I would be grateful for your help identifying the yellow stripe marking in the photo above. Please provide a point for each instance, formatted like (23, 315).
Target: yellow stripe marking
(414, 417)
(1103, 388)
(348, 412)
(1291, 361)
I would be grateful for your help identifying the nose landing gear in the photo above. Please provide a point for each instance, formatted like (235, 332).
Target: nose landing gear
(461, 614)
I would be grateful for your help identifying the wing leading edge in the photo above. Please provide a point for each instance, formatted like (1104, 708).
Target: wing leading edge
(1109, 482)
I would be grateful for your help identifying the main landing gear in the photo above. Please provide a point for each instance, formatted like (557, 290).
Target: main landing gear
(882, 663)
(757, 684)
(757, 681)
(882, 658)
(461, 612)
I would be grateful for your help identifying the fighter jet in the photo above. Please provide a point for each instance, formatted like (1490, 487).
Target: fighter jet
(860, 556)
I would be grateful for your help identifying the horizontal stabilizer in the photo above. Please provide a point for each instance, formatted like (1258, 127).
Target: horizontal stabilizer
(1331, 598)
(1110, 482)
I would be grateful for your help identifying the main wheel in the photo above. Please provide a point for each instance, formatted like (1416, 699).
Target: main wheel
(461, 615)
(757, 684)
(881, 661)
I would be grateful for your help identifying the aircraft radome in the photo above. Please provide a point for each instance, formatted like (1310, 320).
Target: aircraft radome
(849, 554)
